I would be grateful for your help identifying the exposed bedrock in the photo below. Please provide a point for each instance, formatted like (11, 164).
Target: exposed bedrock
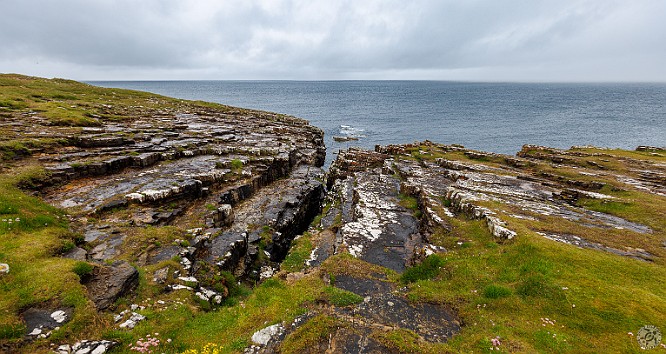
(234, 186)
(267, 222)
(393, 206)
(366, 216)
(449, 181)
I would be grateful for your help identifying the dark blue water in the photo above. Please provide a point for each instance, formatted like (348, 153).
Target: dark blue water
(496, 117)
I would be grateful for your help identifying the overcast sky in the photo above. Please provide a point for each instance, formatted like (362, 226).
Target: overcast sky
(480, 40)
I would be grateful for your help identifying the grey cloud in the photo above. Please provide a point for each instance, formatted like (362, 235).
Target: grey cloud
(293, 39)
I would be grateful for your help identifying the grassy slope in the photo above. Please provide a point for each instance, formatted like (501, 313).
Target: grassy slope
(592, 299)
(499, 289)
(39, 277)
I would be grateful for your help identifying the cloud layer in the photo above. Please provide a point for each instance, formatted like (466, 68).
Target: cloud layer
(541, 40)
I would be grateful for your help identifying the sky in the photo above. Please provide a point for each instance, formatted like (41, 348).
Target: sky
(468, 40)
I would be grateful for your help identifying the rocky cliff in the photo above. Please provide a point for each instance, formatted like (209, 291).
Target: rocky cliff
(405, 209)
(192, 190)
(133, 222)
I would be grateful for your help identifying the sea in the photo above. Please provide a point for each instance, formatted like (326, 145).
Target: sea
(493, 117)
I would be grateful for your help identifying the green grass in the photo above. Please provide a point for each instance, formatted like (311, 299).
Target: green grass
(595, 297)
(408, 202)
(496, 291)
(271, 302)
(82, 269)
(428, 269)
(236, 165)
(298, 254)
(341, 298)
(306, 339)
(37, 275)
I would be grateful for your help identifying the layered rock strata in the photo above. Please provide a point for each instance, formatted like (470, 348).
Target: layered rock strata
(395, 206)
(231, 186)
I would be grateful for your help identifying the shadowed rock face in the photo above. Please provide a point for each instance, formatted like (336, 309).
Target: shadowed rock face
(271, 219)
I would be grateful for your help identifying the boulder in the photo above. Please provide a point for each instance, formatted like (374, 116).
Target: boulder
(109, 283)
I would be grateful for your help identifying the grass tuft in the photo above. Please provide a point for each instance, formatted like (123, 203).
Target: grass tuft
(341, 298)
(496, 292)
(428, 269)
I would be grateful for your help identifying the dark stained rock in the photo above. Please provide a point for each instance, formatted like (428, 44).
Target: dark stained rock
(164, 254)
(39, 322)
(108, 283)
(433, 323)
(275, 214)
(113, 204)
(108, 248)
(362, 286)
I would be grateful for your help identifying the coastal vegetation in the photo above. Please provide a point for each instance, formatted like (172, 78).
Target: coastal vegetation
(528, 293)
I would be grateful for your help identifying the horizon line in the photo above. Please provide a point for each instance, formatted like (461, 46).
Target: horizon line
(387, 80)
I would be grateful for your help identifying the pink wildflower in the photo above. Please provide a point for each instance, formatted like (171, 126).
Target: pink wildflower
(496, 342)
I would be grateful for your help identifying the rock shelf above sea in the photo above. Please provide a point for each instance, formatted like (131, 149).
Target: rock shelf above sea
(177, 203)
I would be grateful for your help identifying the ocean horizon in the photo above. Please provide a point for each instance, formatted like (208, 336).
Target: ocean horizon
(490, 116)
